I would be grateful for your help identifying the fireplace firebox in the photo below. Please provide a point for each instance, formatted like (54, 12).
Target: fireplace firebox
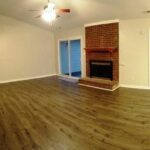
(101, 69)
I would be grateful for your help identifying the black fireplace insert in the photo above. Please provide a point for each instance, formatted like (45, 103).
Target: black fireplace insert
(101, 69)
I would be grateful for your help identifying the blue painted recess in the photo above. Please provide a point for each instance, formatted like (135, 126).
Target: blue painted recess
(64, 57)
(75, 58)
(74, 55)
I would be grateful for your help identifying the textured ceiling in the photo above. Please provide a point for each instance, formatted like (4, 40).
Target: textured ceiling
(82, 11)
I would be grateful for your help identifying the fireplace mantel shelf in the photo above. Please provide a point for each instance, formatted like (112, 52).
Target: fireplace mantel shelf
(101, 50)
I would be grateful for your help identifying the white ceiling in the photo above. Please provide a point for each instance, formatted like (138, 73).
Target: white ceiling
(82, 11)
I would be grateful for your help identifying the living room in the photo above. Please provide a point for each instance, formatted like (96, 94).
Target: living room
(74, 75)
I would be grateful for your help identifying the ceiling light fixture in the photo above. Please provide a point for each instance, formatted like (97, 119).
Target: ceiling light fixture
(49, 13)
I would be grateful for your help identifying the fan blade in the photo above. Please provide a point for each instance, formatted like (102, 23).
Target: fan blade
(63, 10)
(38, 16)
(33, 10)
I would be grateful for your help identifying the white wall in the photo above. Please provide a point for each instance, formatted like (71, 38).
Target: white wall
(26, 51)
(70, 34)
(134, 52)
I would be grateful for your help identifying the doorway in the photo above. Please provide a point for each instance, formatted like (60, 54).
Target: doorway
(70, 58)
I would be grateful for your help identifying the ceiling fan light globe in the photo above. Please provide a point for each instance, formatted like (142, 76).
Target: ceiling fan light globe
(52, 16)
(45, 16)
(49, 16)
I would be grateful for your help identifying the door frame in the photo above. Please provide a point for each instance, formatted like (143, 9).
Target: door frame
(59, 62)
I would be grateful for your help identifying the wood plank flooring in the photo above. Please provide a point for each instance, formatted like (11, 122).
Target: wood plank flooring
(51, 114)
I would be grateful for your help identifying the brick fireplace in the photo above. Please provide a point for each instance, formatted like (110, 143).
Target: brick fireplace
(102, 56)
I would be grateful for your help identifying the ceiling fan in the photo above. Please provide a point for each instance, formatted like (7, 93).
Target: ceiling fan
(50, 13)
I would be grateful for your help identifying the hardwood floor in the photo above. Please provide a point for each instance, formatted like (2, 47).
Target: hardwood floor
(50, 114)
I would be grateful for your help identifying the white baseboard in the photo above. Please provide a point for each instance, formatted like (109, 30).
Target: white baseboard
(121, 85)
(134, 87)
(23, 79)
(44, 76)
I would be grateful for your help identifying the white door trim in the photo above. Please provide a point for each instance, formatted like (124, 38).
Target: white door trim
(82, 55)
